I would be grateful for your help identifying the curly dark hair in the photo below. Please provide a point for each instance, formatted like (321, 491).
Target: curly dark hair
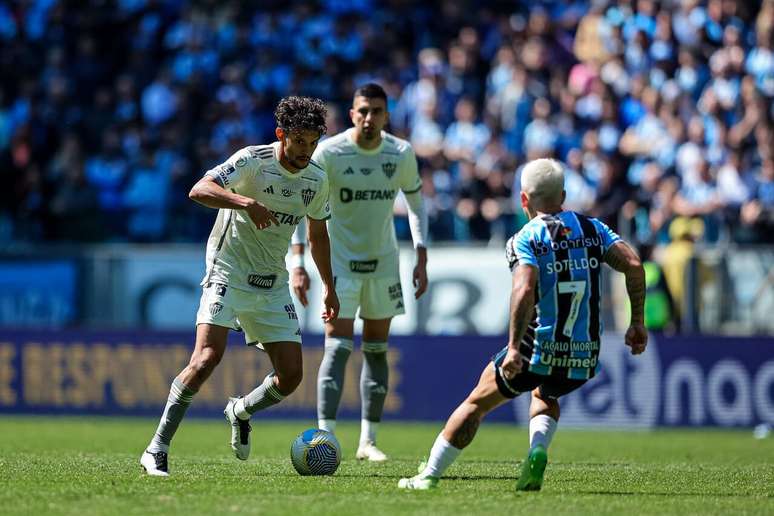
(301, 113)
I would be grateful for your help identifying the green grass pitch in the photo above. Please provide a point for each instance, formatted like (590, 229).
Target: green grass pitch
(51, 465)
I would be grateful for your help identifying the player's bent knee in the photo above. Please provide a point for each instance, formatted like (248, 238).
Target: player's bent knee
(204, 362)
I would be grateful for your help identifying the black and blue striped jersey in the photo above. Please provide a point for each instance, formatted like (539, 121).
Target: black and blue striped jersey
(568, 249)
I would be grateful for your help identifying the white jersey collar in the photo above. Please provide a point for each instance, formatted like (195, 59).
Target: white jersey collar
(361, 150)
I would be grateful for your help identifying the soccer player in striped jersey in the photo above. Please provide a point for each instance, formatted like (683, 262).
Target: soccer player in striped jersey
(367, 167)
(555, 323)
(261, 192)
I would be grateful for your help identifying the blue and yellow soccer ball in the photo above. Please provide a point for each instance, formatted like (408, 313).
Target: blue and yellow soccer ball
(315, 452)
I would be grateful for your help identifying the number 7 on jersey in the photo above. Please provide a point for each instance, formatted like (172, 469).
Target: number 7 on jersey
(576, 289)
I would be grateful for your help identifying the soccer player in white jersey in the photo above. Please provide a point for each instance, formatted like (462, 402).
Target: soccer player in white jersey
(261, 192)
(366, 168)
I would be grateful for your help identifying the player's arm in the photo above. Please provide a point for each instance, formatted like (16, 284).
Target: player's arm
(411, 185)
(211, 190)
(299, 279)
(417, 217)
(523, 283)
(622, 258)
(320, 247)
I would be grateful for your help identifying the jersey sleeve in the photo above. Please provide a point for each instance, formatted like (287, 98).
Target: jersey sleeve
(410, 181)
(609, 237)
(241, 166)
(320, 207)
(518, 250)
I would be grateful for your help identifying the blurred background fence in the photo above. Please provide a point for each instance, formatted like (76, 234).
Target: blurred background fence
(728, 290)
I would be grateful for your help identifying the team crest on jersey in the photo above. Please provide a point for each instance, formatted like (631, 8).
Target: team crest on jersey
(389, 169)
(215, 309)
(366, 171)
(307, 194)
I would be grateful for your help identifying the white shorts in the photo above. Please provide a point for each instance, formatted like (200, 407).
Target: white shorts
(265, 317)
(378, 298)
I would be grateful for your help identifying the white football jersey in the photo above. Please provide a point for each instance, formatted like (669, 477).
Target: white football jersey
(238, 253)
(364, 184)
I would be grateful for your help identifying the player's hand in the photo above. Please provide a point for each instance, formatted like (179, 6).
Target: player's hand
(299, 280)
(330, 305)
(512, 363)
(261, 216)
(420, 280)
(636, 338)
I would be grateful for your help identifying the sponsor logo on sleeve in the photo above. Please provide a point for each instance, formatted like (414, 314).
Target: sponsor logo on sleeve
(389, 169)
(241, 162)
(265, 281)
(224, 171)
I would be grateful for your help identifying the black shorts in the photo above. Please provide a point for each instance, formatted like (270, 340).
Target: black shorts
(550, 386)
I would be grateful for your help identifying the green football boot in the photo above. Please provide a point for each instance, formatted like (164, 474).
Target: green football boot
(532, 470)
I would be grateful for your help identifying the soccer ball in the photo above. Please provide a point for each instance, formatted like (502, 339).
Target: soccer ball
(315, 452)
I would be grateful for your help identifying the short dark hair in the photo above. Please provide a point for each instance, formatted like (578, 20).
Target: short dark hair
(301, 113)
(371, 90)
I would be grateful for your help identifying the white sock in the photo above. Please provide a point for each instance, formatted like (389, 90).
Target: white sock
(368, 431)
(239, 409)
(541, 430)
(329, 425)
(155, 447)
(442, 455)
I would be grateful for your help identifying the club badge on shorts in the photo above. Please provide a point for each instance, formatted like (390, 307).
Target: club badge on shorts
(215, 309)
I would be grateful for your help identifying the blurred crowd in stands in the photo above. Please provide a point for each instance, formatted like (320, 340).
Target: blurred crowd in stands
(661, 110)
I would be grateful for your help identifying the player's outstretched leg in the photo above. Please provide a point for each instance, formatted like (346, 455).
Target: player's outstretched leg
(209, 348)
(330, 380)
(459, 431)
(287, 362)
(154, 459)
(374, 378)
(544, 414)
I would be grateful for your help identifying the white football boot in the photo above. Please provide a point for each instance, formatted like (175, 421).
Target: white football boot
(155, 464)
(368, 451)
(418, 483)
(240, 431)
